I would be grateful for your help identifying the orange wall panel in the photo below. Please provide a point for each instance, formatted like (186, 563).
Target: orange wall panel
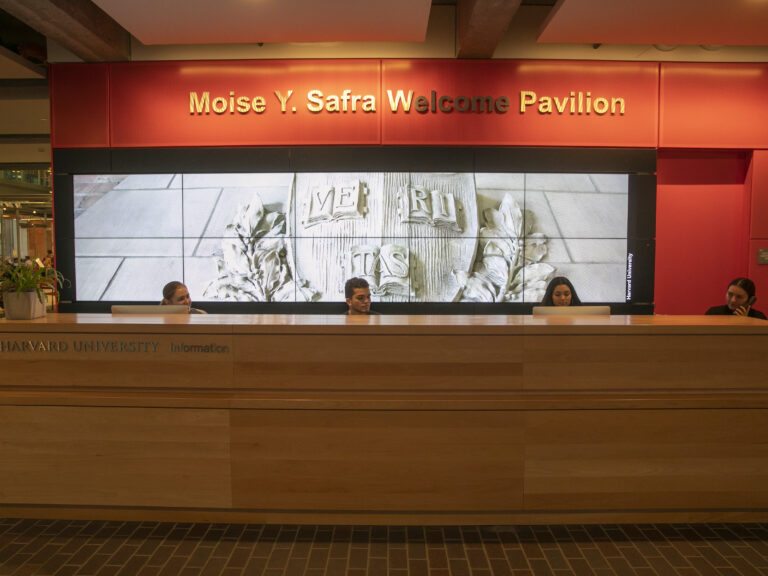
(535, 103)
(636, 83)
(759, 273)
(713, 105)
(79, 105)
(702, 214)
(669, 105)
(759, 227)
(151, 103)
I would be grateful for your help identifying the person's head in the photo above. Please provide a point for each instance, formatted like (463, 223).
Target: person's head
(176, 293)
(560, 292)
(358, 295)
(739, 292)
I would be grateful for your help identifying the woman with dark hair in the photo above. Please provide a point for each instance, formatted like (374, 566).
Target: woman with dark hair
(175, 293)
(739, 299)
(560, 292)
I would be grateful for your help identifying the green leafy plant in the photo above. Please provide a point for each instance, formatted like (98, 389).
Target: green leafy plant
(21, 278)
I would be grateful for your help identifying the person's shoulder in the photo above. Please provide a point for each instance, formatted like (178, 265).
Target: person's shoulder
(372, 313)
(717, 311)
(757, 314)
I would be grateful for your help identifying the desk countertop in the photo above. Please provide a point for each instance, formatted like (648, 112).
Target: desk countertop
(394, 324)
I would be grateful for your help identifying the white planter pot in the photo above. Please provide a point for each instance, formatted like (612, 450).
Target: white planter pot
(22, 306)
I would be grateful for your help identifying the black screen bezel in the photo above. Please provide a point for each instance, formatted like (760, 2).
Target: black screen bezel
(639, 164)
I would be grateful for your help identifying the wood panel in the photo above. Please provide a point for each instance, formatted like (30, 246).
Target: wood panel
(377, 461)
(376, 362)
(646, 459)
(653, 361)
(114, 457)
(385, 419)
(119, 360)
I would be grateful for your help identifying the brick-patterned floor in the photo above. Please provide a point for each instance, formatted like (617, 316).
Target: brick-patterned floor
(63, 548)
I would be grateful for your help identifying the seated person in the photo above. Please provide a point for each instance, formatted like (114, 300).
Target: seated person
(176, 293)
(560, 292)
(739, 299)
(358, 295)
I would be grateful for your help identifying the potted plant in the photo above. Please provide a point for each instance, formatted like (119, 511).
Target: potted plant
(23, 289)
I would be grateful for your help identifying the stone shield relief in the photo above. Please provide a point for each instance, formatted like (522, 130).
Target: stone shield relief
(288, 237)
(406, 233)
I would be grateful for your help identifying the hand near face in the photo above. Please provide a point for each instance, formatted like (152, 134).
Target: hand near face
(737, 299)
(742, 310)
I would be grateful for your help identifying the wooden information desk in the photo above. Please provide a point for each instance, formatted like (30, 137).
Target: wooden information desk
(385, 419)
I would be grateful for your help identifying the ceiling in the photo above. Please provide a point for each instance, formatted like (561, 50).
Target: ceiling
(660, 22)
(242, 21)
(102, 30)
(120, 30)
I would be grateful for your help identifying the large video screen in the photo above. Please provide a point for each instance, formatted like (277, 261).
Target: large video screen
(296, 237)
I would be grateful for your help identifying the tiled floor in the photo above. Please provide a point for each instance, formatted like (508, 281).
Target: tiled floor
(128, 548)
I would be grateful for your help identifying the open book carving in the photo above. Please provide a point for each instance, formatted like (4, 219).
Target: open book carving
(386, 268)
(419, 205)
(330, 202)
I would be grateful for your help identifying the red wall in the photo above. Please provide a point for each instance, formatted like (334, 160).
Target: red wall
(636, 82)
(702, 215)
(704, 105)
(147, 104)
(709, 122)
(758, 237)
(150, 103)
(79, 105)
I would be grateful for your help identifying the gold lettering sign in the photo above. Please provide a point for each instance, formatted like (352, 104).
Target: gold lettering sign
(574, 104)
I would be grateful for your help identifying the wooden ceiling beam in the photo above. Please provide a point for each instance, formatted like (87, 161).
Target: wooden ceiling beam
(77, 25)
(482, 24)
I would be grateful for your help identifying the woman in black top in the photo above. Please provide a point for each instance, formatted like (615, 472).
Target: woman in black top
(560, 292)
(739, 299)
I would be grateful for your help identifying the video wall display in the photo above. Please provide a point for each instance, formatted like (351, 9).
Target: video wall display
(297, 236)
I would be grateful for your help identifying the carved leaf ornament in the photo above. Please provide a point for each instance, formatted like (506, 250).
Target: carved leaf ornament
(507, 267)
(254, 265)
